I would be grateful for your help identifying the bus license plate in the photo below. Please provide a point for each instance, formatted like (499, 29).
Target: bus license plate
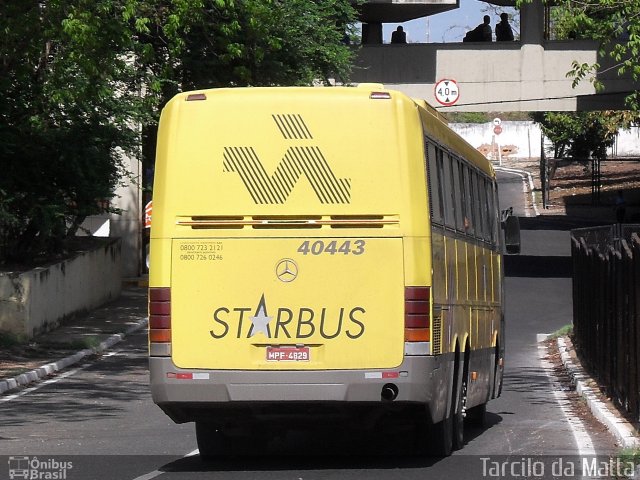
(287, 354)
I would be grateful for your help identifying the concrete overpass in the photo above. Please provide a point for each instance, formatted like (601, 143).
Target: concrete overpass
(525, 75)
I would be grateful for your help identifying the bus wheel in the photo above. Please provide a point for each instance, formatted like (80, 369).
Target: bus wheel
(212, 442)
(457, 413)
(441, 438)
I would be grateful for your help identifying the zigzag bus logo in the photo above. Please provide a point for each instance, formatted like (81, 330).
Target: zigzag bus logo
(299, 160)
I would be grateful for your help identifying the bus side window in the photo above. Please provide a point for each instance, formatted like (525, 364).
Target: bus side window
(479, 210)
(457, 182)
(496, 219)
(448, 190)
(487, 202)
(469, 201)
(434, 177)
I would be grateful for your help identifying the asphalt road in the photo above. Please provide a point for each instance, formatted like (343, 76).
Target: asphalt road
(100, 416)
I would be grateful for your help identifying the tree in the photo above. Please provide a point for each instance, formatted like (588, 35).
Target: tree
(582, 135)
(68, 109)
(80, 78)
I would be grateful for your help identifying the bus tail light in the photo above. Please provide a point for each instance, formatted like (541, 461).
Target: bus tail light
(417, 309)
(160, 322)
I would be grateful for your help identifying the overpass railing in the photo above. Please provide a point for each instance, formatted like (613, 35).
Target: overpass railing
(606, 308)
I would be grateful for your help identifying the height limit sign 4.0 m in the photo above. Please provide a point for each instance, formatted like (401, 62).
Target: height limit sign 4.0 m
(447, 92)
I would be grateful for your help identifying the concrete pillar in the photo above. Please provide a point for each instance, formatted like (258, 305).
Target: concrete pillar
(532, 72)
(372, 33)
(532, 23)
(128, 224)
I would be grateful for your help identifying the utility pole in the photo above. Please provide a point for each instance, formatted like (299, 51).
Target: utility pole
(544, 177)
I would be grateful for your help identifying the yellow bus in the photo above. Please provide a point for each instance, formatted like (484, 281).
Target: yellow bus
(322, 250)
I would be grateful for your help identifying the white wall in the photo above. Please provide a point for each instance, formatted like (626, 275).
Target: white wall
(517, 139)
(521, 140)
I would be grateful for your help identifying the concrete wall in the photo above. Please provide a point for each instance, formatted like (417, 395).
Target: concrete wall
(517, 140)
(628, 143)
(522, 140)
(503, 76)
(38, 300)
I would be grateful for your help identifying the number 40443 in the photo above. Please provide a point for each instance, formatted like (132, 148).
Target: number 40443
(334, 247)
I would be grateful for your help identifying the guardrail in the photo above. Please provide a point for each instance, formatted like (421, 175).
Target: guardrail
(606, 308)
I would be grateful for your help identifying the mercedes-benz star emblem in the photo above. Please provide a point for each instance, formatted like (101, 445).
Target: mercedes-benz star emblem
(286, 270)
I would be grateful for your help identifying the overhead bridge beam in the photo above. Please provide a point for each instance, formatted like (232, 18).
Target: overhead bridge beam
(495, 76)
(402, 10)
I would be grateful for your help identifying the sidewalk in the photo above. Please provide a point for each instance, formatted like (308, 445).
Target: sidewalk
(78, 338)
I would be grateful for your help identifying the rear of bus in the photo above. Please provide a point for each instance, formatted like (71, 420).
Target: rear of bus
(290, 254)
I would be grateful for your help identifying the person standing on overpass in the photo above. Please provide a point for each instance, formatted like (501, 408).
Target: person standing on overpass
(399, 35)
(503, 29)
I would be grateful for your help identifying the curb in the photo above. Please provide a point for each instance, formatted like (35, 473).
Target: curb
(622, 430)
(39, 373)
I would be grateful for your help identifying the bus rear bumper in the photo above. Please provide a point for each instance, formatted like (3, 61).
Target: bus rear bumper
(187, 395)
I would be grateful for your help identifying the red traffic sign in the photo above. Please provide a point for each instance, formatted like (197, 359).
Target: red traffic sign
(497, 129)
(447, 92)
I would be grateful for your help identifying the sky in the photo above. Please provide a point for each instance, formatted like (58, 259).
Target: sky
(448, 26)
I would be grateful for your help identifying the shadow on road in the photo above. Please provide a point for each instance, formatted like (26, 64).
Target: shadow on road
(102, 390)
(533, 266)
(532, 383)
(328, 448)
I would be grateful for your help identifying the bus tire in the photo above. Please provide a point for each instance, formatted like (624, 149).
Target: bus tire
(212, 442)
(457, 411)
(497, 378)
(441, 438)
(458, 405)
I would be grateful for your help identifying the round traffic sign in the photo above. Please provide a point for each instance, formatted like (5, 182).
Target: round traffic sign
(447, 92)
(497, 121)
(497, 129)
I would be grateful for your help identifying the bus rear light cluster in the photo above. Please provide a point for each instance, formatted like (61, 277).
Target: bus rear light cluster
(160, 321)
(417, 308)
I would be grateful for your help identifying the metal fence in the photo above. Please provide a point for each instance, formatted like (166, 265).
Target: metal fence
(606, 308)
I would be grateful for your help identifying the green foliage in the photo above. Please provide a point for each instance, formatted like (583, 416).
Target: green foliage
(81, 77)
(67, 107)
(468, 117)
(583, 135)
(250, 43)
(564, 331)
(484, 117)
(8, 340)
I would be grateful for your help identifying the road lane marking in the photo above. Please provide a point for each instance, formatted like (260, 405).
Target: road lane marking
(42, 384)
(583, 440)
(149, 476)
(157, 473)
(50, 381)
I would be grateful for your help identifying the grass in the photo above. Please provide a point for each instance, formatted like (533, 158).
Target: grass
(567, 330)
(625, 455)
(90, 341)
(8, 340)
